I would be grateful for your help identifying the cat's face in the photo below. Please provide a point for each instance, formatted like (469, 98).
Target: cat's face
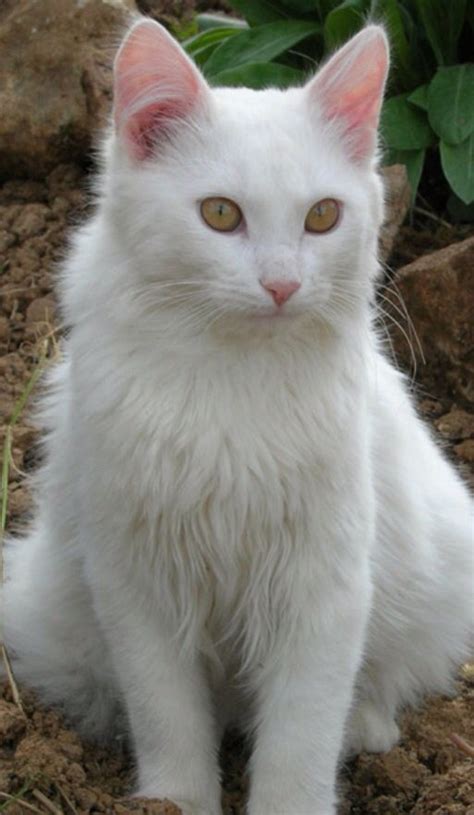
(252, 208)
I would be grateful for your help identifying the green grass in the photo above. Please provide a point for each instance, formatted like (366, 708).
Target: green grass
(16, 798)
(7, 447)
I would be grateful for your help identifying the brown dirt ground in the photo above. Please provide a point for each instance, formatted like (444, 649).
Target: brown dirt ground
(44, 766)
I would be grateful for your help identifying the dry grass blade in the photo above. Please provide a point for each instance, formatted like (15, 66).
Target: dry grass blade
(7, 448)
(11, 679)
(433, 217)
(462, 744)
(6, 464)
(15, 799)
(46, 802)
(67, 800)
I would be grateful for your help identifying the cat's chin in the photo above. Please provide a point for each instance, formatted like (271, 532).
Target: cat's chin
(261, 324)
(286, 313)
(273, 317)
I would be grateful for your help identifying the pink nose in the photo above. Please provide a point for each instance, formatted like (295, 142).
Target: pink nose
(281, 290)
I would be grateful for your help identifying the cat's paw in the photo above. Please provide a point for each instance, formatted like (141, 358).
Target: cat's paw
(289, 809)
(191, 809)
(287, 799)
(187, 807)
(370, 730)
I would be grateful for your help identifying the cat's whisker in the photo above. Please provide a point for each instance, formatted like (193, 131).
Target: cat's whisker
(407, 338)
(390, 285)
(406, 314)
(388, 338)
(407, 334)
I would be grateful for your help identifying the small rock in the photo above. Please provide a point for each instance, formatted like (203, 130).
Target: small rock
(19, 501)
(174, 13)
(12, 722)
(465, 450)
(12, 367)
(438, 292)
(41, 310)
(7, 776)
(63, 179)
(397, 203)
(45, 281)
(55, 64)
(6, 407)
(31, 221)
(24, 191)
(449, 794)
(4, 328)
(397, 772)
(41, 756)
(60, 205)
(147, 806)
(7, 239)
(456, 425)
(86, 798)
(384, 805)
(431, 408)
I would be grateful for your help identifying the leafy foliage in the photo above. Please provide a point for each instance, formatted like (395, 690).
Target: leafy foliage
(430, 106)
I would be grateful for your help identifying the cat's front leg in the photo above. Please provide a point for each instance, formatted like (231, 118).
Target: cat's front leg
(304, 695)
(166, 697)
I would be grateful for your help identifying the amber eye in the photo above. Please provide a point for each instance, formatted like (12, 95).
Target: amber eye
(322, 216)
(221, 214)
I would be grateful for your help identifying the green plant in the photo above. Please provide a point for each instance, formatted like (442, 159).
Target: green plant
(7, 446)
(430, 104)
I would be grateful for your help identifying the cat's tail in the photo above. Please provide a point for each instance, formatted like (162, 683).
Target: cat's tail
(51, 634)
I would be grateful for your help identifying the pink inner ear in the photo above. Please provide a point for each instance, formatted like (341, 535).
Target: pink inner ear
(154, 84)
(350, 88)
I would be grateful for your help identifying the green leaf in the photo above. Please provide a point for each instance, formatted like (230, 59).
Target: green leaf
(260, 75)
(201, 46)
(211, 37)
(302, 6)
(344, 21)
(326, 6)
(260, 44)
(451, 103)
(413, 161)
(457, 161)
(259, 12)
(405, 127)
(442, 21)
(208, 21)
(419, 98)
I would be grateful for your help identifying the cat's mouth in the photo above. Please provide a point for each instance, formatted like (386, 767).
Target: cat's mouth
(276, 313)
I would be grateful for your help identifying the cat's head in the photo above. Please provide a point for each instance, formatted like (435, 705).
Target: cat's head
(242, 208)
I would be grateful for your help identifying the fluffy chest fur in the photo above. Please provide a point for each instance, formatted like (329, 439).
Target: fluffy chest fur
(228, 482)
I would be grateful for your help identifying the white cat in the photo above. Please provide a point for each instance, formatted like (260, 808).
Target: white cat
(240, 515)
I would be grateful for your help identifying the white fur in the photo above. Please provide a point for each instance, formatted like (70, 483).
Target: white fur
(240, 515)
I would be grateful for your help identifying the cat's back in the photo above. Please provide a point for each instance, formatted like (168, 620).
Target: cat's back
(405, 450)
(424, 510)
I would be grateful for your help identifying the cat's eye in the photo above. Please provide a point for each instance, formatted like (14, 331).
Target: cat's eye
(322, 216)
(221, 214)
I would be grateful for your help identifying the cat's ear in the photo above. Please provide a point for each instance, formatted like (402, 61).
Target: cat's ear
(349, 90)
(155, 85)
